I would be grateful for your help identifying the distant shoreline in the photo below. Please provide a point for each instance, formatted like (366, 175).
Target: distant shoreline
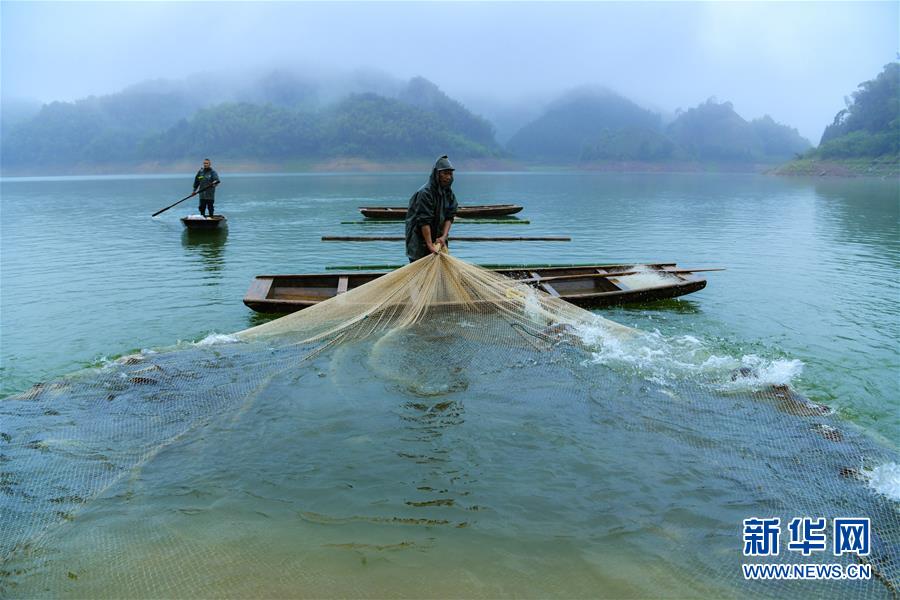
(849, 167)
(801, 167)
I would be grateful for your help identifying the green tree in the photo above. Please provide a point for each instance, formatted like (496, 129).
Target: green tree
(870, 125)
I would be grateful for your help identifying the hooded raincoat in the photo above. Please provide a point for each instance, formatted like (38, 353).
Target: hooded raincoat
(204, 180)
(430, 205)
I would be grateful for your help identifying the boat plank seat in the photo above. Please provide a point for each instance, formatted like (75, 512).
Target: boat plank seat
(543, 285)
(261, 287)
(343, 282)
(613, 280)
(618, 283)
(549, 289)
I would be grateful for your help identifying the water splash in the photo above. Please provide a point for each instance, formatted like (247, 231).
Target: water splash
(218, 338)
(885, 479)
(669, 359)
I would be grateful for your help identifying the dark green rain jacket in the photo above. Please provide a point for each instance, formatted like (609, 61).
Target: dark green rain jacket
(430, 205)
(205, 178)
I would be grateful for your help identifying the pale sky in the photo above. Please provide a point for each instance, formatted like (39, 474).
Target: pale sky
(795, 61)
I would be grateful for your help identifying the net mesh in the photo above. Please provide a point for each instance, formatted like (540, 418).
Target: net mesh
(440, 431)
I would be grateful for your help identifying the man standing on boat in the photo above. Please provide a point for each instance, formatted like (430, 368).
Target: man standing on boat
(206, 181)
(431, 212)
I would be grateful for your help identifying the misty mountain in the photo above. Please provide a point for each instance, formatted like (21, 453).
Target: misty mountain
(292, 114)
(280, 88)
(597, 126)
(361, 125)
(578, 121)
(280, 118)
(16, 110)
(870, 125)
(778, 141)
(714, 131)
(236, 130)
(373, 126)
(126, 126)
(630, 144)
(302, 88)
(94, 128)
(423, 94)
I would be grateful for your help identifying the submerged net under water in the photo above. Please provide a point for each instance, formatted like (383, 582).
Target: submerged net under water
(445, 434)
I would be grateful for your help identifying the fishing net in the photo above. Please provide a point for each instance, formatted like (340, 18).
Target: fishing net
(440, 431)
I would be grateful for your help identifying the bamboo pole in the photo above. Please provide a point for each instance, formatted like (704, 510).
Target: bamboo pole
(455, 221)
(398, 238)
(517, 266)
(162, 210)
(620, 274)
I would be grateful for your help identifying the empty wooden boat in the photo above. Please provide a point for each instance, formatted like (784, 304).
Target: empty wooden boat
(399, 212)
(201, 223)
(589, 286)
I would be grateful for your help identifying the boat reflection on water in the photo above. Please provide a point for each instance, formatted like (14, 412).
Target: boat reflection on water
(209, 245)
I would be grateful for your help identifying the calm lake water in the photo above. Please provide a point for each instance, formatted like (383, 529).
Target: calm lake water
(811, 264)
(810, 297)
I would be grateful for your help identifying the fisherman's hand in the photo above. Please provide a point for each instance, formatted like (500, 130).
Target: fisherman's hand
(433, 248)
(442, 241)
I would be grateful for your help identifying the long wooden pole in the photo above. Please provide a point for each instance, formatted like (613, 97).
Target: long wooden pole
(183, 199)
(398, 238)
(507, 266)
(456, 221)
(608, 275)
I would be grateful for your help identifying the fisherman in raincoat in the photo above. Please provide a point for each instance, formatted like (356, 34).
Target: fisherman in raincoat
(206, 181)
(431, 212)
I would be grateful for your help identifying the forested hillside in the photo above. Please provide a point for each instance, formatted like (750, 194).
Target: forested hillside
(281, 119)
(870, 125)
(714, 131)
(591, 126)
(576, 122)
(281, 116)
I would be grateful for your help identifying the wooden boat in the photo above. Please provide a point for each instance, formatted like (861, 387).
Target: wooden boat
(201, 223)
(399, 212)
(589, 286)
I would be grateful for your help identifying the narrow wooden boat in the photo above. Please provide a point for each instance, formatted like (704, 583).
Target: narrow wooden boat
(399, 212)
(589, 286)
(201, 223)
